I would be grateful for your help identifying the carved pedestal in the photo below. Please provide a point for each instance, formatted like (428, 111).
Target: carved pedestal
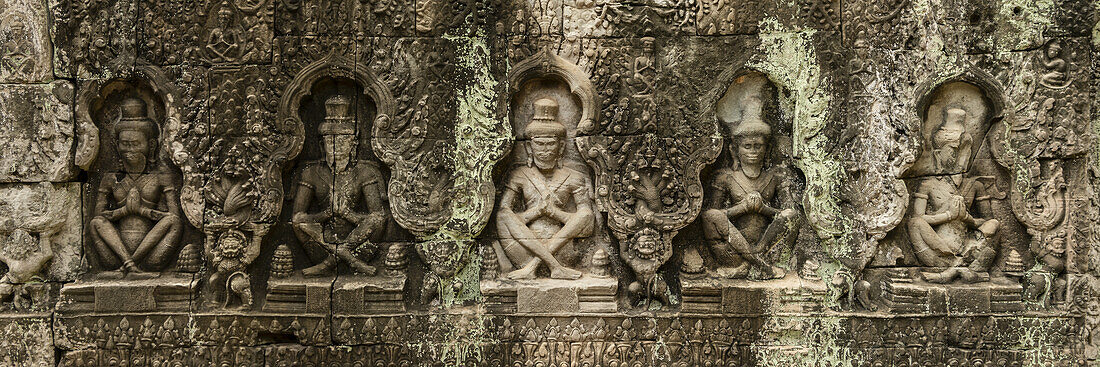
(902, 295)
(299, 295)
(166, 293)
(751, 297)
(586, 295)
(368, 295)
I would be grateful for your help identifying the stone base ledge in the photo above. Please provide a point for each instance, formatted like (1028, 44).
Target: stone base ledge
(589, 294)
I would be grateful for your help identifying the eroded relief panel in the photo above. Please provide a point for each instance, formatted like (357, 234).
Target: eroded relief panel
(551, 249)
(548, 182)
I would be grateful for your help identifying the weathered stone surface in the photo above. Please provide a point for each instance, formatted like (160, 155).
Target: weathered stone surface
(549, 182)
(28, 341)
(43, 237)
(38, 128)
(93, 38)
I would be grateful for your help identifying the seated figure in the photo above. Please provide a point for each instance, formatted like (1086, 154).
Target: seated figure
(340, 200)
(750, 208)
(137, 220)
(942, 229)
(545, 206)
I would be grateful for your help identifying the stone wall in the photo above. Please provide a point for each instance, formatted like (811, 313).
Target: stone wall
(549, 182)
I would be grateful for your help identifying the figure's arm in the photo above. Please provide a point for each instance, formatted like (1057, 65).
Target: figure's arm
(769, 211)
(507, 202)
(374, 220)
(101, 206)
(985, 208)
(583, 198)
(718, 198)
(302, 199)
(376, 206)
(171, 202)
(920, 207)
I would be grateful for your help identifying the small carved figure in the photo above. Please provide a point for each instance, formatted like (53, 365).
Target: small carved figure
(349, 193)
(23, 255)
(1049, 279)
(137, 215)
(941, 227)
(644, 68)
(556, 202)
(230, 256)
(223, 42)
(601, 264)
(750, 208)
(16, 54)
(1052, 60)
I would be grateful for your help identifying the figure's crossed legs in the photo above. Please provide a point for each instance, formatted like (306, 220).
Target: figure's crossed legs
(735, 252)
(154, 248)
(314, 233)
(511, 228)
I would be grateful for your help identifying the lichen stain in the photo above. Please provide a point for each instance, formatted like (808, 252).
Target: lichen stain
(788, 57)
(1022, 24)
(1036, 336)
(480, 139)
(805, 341)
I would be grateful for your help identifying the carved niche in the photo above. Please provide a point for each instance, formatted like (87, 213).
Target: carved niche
(647, 184)
(752, 212)
(136, 236)
(339, 207)
(546, 223)
(958, 232)
(136, 224)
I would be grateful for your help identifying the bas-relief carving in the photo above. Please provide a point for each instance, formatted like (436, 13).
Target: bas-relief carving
(546, 217)
(208, 31)
(646, 183)
(231, 167)
(340, 207)
(136, 219)
(545, 206)
(950, 221)
(134, 226)
(135, 223)
(40, 242)
(93, 38)
(346, 192)
(751, 203)
(990, 205)
(36, 123)
(25, 51)
(968, 218)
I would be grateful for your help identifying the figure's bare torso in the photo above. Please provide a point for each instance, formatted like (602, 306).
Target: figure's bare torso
(559, 189)
(737, 186)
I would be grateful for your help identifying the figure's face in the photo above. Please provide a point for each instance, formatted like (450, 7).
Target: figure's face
(1054, 50)
(647, 243)
(338, 149)
(950, 135)
(750, 149)
(546, 151)
(133, 147)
